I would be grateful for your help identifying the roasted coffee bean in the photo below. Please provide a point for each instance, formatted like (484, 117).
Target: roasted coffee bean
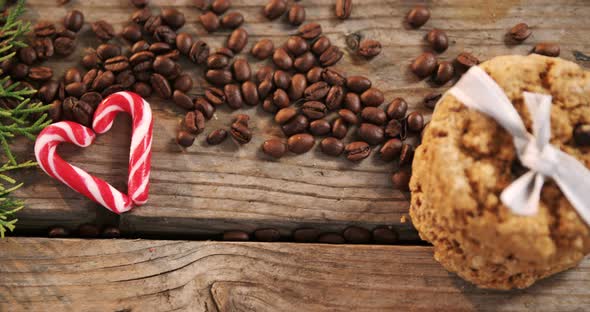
(383, 235)
(397, 109)
(444, 72)
(242, 118)
(40, 73)
(264, 73)
(431, 99)
(64, 46)
(61, 91)
(44, 29)
(372, 97)
(369, 48)
(263, 49)
(233, 96)
(88, 231)
(27, 55)
(275, 8)
(520, 32)
(111, 90)
(415, 121)
(274, 147)
(90, 61)
(320, 127)
(333, 77)
(348, 116)
(82, 113)
(139, 3)
(210, 21)
(304, 62)
(297, 87)
(547, 49)
(300, 143)
(282, 59)
(280, 98)
(306, 235)
(68, 108)
(297, 45)
(331, 56)
(141, 16)
(320, 45)
(215, 96)
(391, 149)
(185, 139)
(332, 146)
(117, 63)
(218, 77)
(357, 151)
(48, 91)
(236, 236)
(371, 133)
(296, 15)
(194, 121)
(165, 34)
(161, 86)
(237, 40)
(204, 106)
(582, 135)
(62, 32)
(296, 125)
(281, 79)
(357, 235)
(310, 30)
(358, 84)
(131, 32)
(265, 87)
(394, 128)
(74, 20)
(424, 65)
(19, 71)
(418, 16)
(401, 180)
(267, 235)
(160, 48)
(316, 91)
(466, 60)
(438, 40)
(58, 232)
(164, 66)
(106, 51)
(182, 100)
(199, 52)
(103, 30)
(352, 101)
(173, 18)
(220, 6)
(184, 42)
(268, 106)
(173, 55)
(232, 20)
(142, 88)
(92, 98)
(44, 48)
(406, 155)
(90, 76)
(250, 93)
(152, 23)
(241, 70)
(374, 115)
(335, 97)
(73, 74)
(339, 128)
(216, 137)
(314, 75)
(343, 8)
(240, 133)
(314, 109)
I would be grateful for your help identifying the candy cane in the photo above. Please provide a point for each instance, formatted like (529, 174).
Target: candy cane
(72, 176)
(141, 138)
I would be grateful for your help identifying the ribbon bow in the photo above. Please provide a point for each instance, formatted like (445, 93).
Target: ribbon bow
(479, 91)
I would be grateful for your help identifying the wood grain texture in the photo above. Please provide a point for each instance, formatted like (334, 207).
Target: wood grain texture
(144, 275)
(206, 190)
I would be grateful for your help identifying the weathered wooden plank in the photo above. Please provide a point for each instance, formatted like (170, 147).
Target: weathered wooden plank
(206, 190)
(144, 275)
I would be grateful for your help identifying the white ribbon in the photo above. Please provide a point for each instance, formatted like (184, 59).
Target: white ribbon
(479, 91)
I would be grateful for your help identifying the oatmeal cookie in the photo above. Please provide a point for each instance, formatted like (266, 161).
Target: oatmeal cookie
(466, 160)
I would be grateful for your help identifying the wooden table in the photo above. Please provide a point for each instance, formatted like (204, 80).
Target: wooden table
(204, 191)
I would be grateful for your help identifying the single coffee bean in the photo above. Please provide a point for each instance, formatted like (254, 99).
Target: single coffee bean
(182, 100)
(92, 98)
(371, 133)
(582, 135)
(391, 149)
(262, 49)
(438, 40)
(394, 128)
(183, 83)
(194, 121)
(444, 72)
(19, 71)
(320, 45)
(173, 18)
(265, 88)
(184, 42)
(374, 115)
(58, 232)
(236, 236)
(431, 99)
(250, 93)
(139, 3)
(90, 76)
(74, 20)
(131, 32)
(64, 46)
(44, 48)
(90, 61)
(88, 230)
(173, 55)
(358, 84)
(372, 97)
(333, 77)
(48, 91)
(215, 96)
(265, 72)
(117, 63)
(226, 51)
(185, 139)
(316, 91)
(267, 235)
(268, 106)
(335, 97)
(296, 15)
(306, 235)
(281, 79)
(237, 40)
(233, 96)
(275, 8)
(348, 116)
(406, 155)
(401, 180)
(339, 128)
(466, 60)
(111, 90)
(165, 34)
(199, 52)
(424, 65)
(83, 113)
(106, 51)
(352, 101)
(73, 74)
(27, 55)
(40, 73)
(547, 49)
(357, 151)
(274, 147)
(164, 66)
(242, 118)
(141, 16)
(297, 86)
(142, 88)
(232, 20)
(369, 48)
(204, 106)
(300, 143)
(210, 21)
(314, 75)
(44, 29)
(357, 235)
(418, 16)
(331, 56)
(314, 109)
(310, 30)
(241, 70)
(216, 137)
(343, 8)
(152, 23)
(241, 133)
(218, 77)
(160, 48)
(161, 86)
(280, 98)
(282, 59)
(297, 45)
(103, 30)
(397, 109)
(63, 32)
(384, 235)
(320, 127)
(332, 146)
(304, 62)
(520, 32)
(220, 6)
(298, 124)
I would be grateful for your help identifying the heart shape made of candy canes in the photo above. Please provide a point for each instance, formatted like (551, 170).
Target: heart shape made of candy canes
(79, 180)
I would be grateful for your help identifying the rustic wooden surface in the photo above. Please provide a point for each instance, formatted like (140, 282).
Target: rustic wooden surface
(144, 275)
(206, 190)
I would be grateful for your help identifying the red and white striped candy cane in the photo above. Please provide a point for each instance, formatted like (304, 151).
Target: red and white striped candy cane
(141, 138)
(72, 176)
